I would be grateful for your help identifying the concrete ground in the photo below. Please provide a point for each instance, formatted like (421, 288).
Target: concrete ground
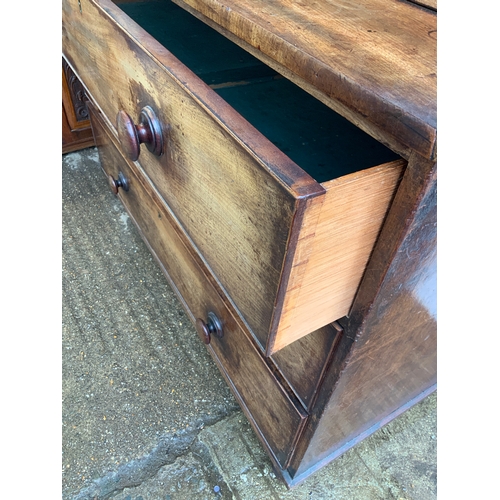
(146, 414)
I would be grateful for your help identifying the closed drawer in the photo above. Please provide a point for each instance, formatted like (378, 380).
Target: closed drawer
(276, 416)
(287, 236)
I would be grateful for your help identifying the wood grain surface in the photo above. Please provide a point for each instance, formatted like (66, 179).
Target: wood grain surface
(376, 58)
(304, 362)
(248, 209)
(386, 359)
(349, 222)
(233, 191)
(243, 231)
(276, 418)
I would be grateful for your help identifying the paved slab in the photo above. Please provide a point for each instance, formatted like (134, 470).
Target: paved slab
(147, 415)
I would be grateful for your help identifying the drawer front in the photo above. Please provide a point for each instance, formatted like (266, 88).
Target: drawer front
(277, 419)
(288, 252)
(237, 197)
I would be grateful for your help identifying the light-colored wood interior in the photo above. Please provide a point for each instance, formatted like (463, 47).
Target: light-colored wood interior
(328, 274)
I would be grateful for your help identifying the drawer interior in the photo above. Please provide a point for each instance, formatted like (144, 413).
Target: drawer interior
(320, 141)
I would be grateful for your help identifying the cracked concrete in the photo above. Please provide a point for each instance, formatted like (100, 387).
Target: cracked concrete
(147, 415)
(136, 472)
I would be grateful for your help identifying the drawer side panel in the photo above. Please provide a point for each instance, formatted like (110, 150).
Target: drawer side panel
(328, 286)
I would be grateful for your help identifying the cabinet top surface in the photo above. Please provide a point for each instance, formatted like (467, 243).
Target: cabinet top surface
(375, 57)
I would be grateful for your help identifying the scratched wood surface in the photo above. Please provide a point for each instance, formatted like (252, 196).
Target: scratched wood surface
(252, 381)
(249, 209)
(235, 194)
(372, 57)
(353, 386)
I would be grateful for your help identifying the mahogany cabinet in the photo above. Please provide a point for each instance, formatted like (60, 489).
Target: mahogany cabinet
(279, 161)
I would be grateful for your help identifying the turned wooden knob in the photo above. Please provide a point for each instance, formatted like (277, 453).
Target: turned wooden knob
(115, 184)
(213, 326)
(148, 131)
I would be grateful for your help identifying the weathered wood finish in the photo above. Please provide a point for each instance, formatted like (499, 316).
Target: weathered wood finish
(386, 359)
(212, 175)
(320, 395)
(277, 419)
(249, 210)
(388, 78)
(430, 4)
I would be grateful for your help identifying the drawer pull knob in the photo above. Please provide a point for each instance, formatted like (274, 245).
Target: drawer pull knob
(115, 184)
(212, 327)
(148, 132)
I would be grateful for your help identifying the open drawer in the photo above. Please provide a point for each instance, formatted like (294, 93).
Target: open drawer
(282, 198)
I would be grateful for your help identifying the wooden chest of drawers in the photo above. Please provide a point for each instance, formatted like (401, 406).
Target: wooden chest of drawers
(292, 209)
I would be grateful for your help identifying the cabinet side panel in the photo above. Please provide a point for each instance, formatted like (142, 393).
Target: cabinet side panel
(393, 322)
